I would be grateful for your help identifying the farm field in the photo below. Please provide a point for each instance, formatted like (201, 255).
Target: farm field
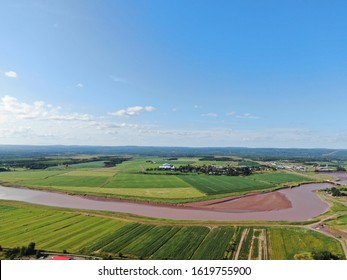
(129, 180)
(224, 184)
(279, 178)
(282, 242)
(96, 234)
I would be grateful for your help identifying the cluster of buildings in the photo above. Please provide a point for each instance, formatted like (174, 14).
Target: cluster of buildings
(283, 166)
(325, 168)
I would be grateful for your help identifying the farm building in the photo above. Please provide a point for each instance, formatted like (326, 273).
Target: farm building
(167, 166)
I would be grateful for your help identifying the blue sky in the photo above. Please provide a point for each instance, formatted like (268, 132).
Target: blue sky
(174, 73)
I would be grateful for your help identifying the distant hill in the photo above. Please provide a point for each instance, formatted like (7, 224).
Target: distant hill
(7, 151)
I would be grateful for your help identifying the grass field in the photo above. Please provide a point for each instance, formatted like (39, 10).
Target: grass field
(95, 234)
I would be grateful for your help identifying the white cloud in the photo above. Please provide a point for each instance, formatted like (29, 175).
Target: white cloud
(108, 126)
(11, 74)
(174, 109)
(71, 117)
(231, 113)
(247, 116)
(212, 115)
(38, 110)
(80, 85)
(133, 111)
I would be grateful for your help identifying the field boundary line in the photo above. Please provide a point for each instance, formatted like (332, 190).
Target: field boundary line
(265, 246)
(149, 257)
(244, 235)
(252, 244)
(209, 232)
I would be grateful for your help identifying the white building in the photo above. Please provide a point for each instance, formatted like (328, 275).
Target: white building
(167, 166)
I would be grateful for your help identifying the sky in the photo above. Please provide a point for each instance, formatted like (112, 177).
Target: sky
(236, 73)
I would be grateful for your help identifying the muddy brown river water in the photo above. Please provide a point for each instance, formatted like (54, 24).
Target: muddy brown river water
(301, 204)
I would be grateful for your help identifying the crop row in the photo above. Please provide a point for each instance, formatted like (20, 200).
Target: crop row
(183, 244)
(59, 230)
(224, 184)
(215, 244)
(123, 240)
(108, 238)
(149, 242)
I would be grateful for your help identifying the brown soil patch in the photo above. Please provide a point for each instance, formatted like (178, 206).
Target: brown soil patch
(260, 202)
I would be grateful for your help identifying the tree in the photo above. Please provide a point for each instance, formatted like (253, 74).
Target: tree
(340, 168)
(31, 249)
(324, 255)
(23, 251)
(38, 254)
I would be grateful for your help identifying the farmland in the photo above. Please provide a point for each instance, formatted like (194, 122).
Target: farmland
(125, 236)
(283, 242)
(129, 179)
(116, 236)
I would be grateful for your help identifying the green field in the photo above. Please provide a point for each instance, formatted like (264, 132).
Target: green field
(279, 178)
(215, 245)
(124, 180)
(92, 164)
(129, 180)
(283, 243)
(224, 184)
(103, 235)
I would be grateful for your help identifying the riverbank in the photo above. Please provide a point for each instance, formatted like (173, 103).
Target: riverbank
(299, 211)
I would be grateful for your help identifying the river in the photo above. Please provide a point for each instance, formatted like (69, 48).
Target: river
(305, 204)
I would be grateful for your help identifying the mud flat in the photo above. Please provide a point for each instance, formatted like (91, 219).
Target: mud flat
(250, 203)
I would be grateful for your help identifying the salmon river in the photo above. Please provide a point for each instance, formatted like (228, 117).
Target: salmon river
(302, 204)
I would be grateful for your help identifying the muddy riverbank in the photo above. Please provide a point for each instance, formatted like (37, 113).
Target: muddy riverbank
(290, 204)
